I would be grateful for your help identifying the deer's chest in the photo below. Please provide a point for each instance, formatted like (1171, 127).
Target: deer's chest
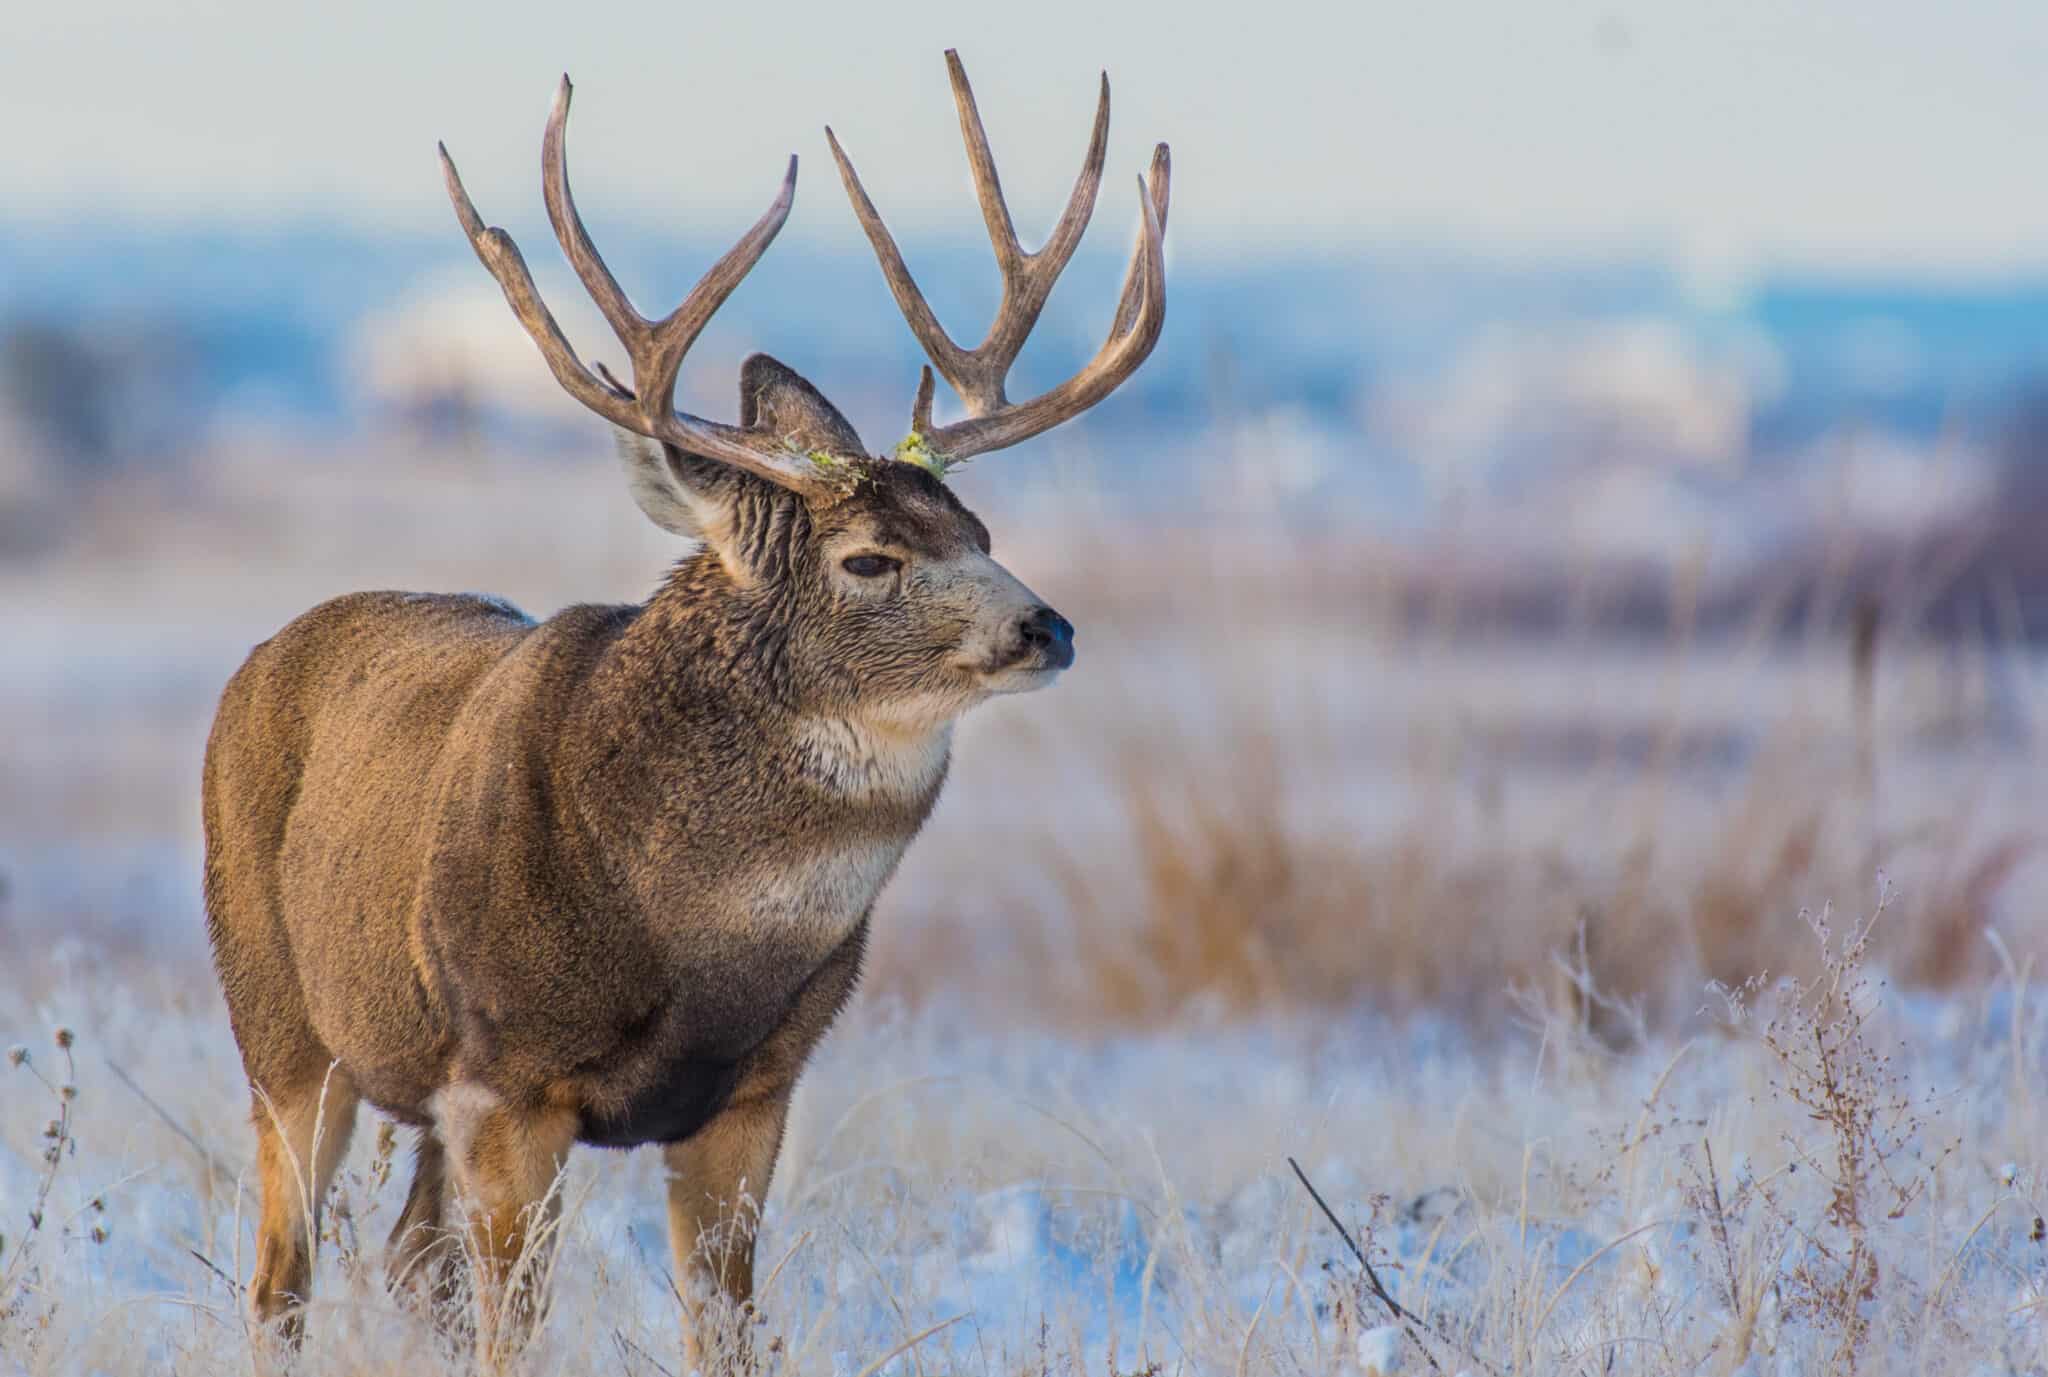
(812, 904)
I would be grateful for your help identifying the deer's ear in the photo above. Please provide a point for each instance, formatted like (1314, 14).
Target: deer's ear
(679, 492)
(778, 402)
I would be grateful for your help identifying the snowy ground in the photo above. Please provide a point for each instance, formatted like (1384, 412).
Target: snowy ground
(1542, 1203)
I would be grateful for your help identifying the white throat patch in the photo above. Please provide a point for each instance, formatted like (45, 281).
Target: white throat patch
(863, 764)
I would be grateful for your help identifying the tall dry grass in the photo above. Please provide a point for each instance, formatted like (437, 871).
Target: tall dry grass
(1213, 899)
(1292, 811)
(1293, 767)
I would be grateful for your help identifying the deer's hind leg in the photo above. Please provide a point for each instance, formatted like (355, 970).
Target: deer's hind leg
(302, 1132)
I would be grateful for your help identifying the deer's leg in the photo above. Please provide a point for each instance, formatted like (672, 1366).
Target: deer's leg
(716, 1182)
(302, 1131)
(506, 1161)
(718, 1178)
(421, 1257)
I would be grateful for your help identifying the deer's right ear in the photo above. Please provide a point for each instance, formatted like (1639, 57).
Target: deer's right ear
(666, 487)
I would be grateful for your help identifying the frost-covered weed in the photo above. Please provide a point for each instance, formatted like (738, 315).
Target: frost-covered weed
(1546, 1203)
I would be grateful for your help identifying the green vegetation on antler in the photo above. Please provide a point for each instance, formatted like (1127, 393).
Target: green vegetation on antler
(914, 449)
(845, 472)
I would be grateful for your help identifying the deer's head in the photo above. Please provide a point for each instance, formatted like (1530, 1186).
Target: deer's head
(888, 601)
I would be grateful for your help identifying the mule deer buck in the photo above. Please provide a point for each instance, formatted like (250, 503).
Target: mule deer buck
(606, 878)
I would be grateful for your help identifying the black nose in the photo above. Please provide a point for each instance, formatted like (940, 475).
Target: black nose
(1051, 635)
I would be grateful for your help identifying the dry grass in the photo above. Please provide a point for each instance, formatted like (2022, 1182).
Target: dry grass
(1207, 891)
(1831, 1179)
(1289, 770)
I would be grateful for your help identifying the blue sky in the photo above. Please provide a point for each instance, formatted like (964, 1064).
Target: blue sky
(1882, 136)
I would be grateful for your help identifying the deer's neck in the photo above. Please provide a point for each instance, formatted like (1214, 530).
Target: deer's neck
(702, 799)
(866, 762)
(700, 700)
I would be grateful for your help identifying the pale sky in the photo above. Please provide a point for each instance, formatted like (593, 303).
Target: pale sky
(1873, 135)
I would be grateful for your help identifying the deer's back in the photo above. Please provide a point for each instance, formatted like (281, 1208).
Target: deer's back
(318, 803)
(345, 710)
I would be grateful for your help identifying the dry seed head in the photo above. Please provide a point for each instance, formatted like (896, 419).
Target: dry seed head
(68, 1091)
(100, 1233)
(17, 1055)
(64, 1037)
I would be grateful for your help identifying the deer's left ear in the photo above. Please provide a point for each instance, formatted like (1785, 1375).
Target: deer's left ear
(679, 492)
(778, 402)
(694, 497)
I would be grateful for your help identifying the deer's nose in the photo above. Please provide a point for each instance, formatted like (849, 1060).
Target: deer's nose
(1050, 634)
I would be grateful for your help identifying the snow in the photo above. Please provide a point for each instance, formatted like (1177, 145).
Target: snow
(1083, 1202)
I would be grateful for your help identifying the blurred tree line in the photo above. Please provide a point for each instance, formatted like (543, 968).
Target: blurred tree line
(79, 407)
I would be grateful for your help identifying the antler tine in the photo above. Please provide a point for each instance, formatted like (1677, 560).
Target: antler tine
(628, 324)
(495, 249)
(921, 405)
(1028, 279)
(937, 344)
(988, 188)
(1162, 189)
(674, 335)
(1146, 277)
(1119, 357)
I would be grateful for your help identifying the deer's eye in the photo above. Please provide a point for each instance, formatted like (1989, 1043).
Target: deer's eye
(870, 566)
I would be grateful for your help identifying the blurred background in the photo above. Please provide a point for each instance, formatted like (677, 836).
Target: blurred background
(1582, 511)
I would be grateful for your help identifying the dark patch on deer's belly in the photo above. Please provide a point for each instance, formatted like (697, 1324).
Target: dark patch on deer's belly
(672, 1066)
(678, 1100)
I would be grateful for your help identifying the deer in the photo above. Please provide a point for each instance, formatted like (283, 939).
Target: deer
(607, 878)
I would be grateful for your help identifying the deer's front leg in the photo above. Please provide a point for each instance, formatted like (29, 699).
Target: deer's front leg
(718, 1177)
(716, 1182)
(507, 1159)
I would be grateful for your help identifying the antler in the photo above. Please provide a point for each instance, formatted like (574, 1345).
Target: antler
(995, 422)
(655, 348)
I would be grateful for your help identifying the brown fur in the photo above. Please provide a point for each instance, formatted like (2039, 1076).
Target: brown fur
(604, 878)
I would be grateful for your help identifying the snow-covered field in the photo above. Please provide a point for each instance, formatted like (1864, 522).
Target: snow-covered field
(1867, 1199)
(1270, 875)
